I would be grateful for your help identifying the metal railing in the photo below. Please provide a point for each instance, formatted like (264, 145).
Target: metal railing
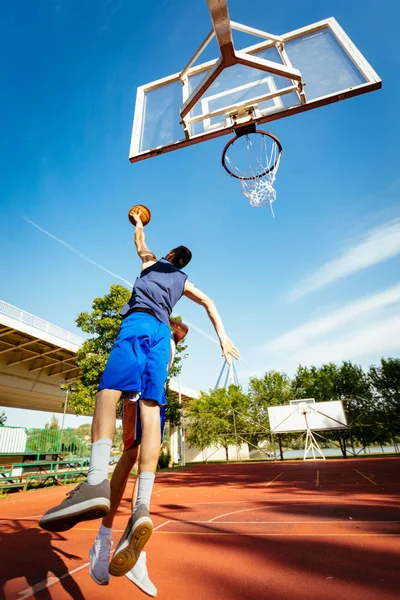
(24, 317)
(57, 441)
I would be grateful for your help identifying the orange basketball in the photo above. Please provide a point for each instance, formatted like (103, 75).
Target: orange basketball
(143, 211)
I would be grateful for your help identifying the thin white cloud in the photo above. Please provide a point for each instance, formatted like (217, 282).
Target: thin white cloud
(208, 336)
(379, 244)
(299, 336)
(363, 344)
(378, 338)
(94, 263)
(203, 333)
(75, 251)
(363, 330)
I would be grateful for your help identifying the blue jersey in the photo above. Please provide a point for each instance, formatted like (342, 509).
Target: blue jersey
(158, 289)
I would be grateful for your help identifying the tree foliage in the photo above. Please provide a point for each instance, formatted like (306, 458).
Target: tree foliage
(273, 389)
(54, 423)
(210, 418)
(371, 401)
(3, 418)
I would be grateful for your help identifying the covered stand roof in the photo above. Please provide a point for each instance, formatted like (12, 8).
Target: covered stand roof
(36, 357)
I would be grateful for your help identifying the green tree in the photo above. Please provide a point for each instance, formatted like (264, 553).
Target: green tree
(102, 324)
(3, 418)
(315, 382)
(212, 418)
(385, 381)
(118, 441)
(54, 424)
(350, 384)
(273, 389)
(83, 430)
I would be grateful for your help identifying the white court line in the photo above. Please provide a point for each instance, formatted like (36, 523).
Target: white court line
(315, 499)
(118, 530)
(352, 522)
(176, 523)
(31, 518)
(272, 480)
(46, 583)
(307, 535)
(246, 509)
(162, 525)
(351, 502)
(236, 512)
(163, 490)
(365, 477)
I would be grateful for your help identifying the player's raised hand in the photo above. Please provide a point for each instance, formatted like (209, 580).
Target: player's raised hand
(228, 350)
(136, 218)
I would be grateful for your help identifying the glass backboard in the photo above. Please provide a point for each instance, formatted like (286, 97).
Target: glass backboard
(331, 68)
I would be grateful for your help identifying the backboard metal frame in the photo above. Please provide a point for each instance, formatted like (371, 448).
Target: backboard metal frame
(246, 111)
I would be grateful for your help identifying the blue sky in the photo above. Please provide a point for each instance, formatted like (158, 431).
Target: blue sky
(319, 282)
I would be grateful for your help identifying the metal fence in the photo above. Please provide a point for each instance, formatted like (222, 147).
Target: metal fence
(57, 441)
(24, 317)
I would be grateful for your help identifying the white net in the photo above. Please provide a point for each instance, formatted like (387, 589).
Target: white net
(257, 171)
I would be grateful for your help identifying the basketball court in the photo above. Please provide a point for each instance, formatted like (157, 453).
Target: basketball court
(281, 531)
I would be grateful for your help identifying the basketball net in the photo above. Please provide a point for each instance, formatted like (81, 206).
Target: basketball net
(258, 176)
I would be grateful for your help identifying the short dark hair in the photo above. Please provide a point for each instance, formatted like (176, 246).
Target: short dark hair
(181, 256)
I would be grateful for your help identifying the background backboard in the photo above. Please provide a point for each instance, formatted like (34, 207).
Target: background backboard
(320, 416)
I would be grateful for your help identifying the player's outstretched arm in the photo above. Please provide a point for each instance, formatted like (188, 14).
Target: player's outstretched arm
(147, 257)
(228, 349)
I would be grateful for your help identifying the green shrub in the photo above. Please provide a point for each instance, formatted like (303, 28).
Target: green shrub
(164, 460)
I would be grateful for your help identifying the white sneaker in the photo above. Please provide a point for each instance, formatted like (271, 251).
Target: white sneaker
(139, 576)
(100, 560)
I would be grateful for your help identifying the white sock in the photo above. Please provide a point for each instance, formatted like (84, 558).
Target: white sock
(104, 533)
(99, 460)
(146, 481)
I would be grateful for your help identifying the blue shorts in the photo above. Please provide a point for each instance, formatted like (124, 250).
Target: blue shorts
(138, 361)
(132, 425)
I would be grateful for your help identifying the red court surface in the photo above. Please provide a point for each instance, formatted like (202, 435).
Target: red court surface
(317, 530)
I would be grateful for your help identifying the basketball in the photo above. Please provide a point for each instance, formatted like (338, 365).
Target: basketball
(143, 211)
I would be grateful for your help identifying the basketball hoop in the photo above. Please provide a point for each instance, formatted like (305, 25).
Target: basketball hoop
(253, 157)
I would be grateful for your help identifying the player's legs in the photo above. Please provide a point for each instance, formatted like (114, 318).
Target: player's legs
(134, 493)
(140, 525)
(118, 482)
(104, 416)
(138, 574)
(151, 435)
(124, 370)
(101, 549)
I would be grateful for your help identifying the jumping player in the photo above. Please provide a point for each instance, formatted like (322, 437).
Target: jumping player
(137, 362)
